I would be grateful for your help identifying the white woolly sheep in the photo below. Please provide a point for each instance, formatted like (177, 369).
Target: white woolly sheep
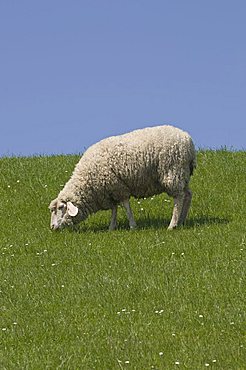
(141, 163)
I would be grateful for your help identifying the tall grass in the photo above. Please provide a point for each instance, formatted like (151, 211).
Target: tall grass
(144, 299)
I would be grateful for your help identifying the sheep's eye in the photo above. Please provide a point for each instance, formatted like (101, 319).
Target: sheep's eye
(61, 206)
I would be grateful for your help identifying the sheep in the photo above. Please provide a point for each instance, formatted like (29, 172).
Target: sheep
(140, 163)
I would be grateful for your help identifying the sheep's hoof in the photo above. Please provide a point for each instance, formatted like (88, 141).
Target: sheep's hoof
(172, 227)
(112, 228)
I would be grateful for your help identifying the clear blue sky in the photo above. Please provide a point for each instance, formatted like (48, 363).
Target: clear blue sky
(73, 72)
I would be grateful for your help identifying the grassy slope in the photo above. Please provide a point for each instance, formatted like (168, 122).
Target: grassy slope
(94, 299)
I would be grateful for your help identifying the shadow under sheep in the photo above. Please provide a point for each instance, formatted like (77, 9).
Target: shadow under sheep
(154, 223)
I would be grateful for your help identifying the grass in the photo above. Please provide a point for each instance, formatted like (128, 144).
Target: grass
(144, 299)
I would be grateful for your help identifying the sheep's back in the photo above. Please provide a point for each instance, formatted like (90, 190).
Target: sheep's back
(140, 163)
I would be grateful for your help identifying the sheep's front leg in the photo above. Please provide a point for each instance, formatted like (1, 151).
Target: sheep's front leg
(177, 211)
(113, 223)
(129, 213)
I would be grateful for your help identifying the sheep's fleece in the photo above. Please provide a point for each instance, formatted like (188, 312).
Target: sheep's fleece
(140, 163)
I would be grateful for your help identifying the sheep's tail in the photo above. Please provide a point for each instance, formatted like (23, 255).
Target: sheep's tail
(192, 155)
(193, 165)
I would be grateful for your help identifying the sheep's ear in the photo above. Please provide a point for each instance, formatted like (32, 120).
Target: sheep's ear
(72, 209)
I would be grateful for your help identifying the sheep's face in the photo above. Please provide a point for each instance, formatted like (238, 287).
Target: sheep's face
(63, 214)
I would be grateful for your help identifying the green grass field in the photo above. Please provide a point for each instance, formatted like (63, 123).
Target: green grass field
(143, 299)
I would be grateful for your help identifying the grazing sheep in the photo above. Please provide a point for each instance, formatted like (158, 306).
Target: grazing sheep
(141, 163)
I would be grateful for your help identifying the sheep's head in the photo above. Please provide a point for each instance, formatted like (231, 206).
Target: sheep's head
(63, 214)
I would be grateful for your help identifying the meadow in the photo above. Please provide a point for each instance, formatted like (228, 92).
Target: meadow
(143, 299)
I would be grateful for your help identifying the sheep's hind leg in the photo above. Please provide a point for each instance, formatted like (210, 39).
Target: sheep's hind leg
(129, 213)
(113, 223)
(186, 205)
(177, 211)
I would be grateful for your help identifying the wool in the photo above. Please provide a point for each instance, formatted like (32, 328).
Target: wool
(141, 163)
